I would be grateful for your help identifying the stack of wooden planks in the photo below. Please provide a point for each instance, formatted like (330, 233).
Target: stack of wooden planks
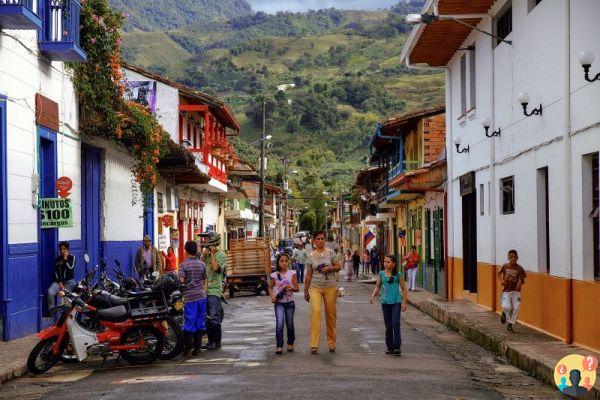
(251, 256)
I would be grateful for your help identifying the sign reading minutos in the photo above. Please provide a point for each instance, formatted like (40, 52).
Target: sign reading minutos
(56, 213)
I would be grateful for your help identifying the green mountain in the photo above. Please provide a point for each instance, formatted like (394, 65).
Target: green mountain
(345, 68)
(151, 15)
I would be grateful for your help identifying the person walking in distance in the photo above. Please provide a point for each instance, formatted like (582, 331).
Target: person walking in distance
(348, 266)
(192, 273)
(366, 261)
(64, 273)
(512, 276)
(356, 263)
(393, 301)
(282, 285)
(374, 261)
(300, 262)
(412, 261)
(321, 266)
(216, 264)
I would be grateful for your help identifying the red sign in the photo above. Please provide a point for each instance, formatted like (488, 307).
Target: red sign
(167, 220)
(63, 185)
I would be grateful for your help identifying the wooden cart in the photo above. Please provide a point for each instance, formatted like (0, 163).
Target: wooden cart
(248, 265)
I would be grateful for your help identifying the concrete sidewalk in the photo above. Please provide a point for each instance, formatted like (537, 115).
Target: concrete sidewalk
(532, 351)
(13, 357)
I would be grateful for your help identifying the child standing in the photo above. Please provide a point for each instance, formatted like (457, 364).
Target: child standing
(512, 276)
(392, 302)
(282, 286)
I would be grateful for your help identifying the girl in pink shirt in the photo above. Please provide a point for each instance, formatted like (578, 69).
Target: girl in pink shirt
(282, 286)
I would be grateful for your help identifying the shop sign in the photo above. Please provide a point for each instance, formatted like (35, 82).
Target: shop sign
(56, 213)
(163, 242)
(167, 220)
(63, 185)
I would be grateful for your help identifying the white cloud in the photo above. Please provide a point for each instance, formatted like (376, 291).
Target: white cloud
(272, 6)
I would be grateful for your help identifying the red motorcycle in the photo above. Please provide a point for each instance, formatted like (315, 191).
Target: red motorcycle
(132, 332)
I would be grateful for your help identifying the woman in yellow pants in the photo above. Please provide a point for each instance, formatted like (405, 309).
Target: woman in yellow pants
(320, 289)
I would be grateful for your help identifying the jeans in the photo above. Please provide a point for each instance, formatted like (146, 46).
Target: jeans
(318, 298)
(412, 278)
(356, 269)
(366, 267)
(55, 288)
(214, 317)
(391, 316)
(284, 312)
(194, 314)
(511, 303)
(375, 267)
(300, 272)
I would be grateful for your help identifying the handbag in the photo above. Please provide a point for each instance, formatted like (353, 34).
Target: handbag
(341, 292)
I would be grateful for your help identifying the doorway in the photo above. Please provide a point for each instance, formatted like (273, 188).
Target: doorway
(48, 237)
(469, 225)
(90, 203)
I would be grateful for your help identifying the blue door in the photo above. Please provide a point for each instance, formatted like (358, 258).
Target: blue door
(3, 223)
(48, 238)
(90, 203)
(149, 216)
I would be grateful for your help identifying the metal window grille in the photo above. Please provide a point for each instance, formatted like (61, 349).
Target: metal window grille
(504, 23)
(507, 187)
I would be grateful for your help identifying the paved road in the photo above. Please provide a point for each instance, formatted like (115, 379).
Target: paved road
(436, 364)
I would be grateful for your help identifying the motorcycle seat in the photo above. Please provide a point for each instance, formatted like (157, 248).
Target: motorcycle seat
(113, 314)
(117, 301)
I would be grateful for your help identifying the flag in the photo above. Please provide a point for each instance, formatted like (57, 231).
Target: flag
(368, 236)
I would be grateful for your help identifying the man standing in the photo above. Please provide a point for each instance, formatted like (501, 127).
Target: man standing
(147, 259)
(216, 264)
(300, 261)
(192, 273)
(512, 276)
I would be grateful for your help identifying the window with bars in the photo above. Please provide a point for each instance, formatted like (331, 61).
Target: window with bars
(473, 77)
(503, 23)
(463, 85)
(507, 195)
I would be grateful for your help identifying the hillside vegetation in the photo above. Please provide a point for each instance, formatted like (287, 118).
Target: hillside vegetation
(346, 69)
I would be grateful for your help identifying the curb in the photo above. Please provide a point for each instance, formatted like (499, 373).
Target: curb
(533, 366)
(8, 374)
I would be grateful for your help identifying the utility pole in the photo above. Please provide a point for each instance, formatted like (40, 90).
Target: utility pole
(261, 205)
(341, 221)
(285, 199)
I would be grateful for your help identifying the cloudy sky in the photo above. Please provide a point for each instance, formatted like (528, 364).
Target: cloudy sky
(271, 6)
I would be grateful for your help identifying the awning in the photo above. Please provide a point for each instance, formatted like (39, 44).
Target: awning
(180, 166)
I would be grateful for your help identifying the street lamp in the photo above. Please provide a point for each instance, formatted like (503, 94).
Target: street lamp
(267, 138)
(524, 100)
(419, 19)
(457, 142)
(586, 58)
(486, 125)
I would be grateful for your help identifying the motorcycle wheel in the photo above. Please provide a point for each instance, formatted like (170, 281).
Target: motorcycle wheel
(41, 358)
(154, 339)
(173, 340)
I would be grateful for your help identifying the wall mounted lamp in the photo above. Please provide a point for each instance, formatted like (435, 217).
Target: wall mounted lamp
(486, 125)
(524, 100)
(586, 58)
(457, 142)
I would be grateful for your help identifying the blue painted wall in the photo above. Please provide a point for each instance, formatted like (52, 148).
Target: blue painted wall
(122, 251)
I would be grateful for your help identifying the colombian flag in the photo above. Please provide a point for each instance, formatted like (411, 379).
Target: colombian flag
(368, 236)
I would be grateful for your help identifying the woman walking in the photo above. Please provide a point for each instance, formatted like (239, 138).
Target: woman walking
(320, 289)
(412, 260)
(282, 286)
(356, 263)
(389, 281)
(348, 265)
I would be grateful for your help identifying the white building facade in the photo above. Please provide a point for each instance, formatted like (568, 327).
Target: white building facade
(534, 186)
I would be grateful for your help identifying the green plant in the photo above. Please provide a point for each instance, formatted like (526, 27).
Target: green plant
(99, 85)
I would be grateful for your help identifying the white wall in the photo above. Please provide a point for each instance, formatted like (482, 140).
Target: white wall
(167, 103)
(211, 210)
(20, 79)
(534, 64)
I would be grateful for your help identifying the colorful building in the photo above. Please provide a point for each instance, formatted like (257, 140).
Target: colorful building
(523, 140)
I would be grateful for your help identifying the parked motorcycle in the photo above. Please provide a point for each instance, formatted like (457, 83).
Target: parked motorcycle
(134, 333)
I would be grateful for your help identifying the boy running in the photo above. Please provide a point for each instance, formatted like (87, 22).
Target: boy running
(512, 276)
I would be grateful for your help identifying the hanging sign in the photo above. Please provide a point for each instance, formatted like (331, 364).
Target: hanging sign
(163, 242)
(167, 220)
(56, 213)
(63, 185)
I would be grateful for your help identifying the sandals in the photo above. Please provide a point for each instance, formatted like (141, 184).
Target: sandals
(313, 350)
(279, 351)
(290, 349)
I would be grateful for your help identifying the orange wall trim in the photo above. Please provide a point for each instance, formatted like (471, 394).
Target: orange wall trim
(545, 302)
(586, 316)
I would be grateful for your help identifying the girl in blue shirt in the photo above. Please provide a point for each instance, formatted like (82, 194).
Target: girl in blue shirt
(393, 300)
